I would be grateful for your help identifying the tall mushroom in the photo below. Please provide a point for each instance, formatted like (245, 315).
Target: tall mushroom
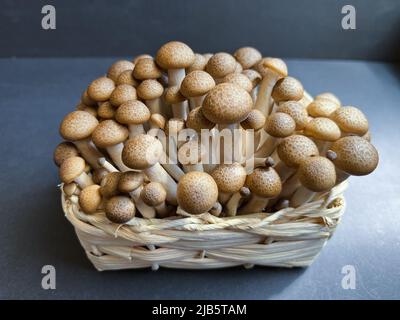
(150, 91)
(195, 86)
(220, 65)
(134, 114)
(73, 170)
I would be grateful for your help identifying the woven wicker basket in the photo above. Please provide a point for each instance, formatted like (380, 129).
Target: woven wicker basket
(287, 238)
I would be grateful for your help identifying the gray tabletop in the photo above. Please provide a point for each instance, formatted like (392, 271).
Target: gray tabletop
(37, 93)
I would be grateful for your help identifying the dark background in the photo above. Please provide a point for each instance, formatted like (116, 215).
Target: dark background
(284, 28)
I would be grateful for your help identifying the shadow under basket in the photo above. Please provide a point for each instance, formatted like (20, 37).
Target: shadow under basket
(287, 238)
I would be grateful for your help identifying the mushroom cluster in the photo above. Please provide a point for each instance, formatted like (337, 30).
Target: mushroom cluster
(185, 133)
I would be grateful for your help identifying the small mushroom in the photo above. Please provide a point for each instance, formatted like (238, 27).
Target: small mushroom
(101, 89)
(86, 100)
(106, 110)
(255, 79)
(109, 184)
(329, 96)
(197, 121)
(73, 170)
(63, 151)
(126, 77)
(220, 65)
(199, 63)
(287, 89)
(240, 80)
(134, 114)
(150, 91)
(71, 189)
(157, 121)
(99, 174)
(324, 131)
(255, 121)
(248, 57)
(195, 86)
(231, 207)
(120, 209)
(118, 67)
(141, 56)
(122, 93)
(197, 192)
(154, 195)
(350, 120)
(297, 111)
(322, 108)
(89, 109)
(179, 103)
(146, 68)
(90, 199)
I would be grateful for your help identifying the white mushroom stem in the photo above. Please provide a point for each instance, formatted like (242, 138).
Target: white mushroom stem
(175, 77)
(301, 196)
(154, 105)
(89, 152)
(211, 145)
(115, 152)
(106, 165)
(157, 173)
(231, 207)
(263, 102)
(196, 101)
(255, 204)
(145, 210)
(83, 180)
(180, 110)
(135, 129)
(268, 147)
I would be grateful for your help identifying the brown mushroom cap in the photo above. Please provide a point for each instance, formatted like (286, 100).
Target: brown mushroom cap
(157, 120)
(230, 178)
(268, 64)
(286, 89)
(150, 89)
(354, 155)
(146, 68)
(126, 77)
(247, 56)
(71, 168)
(118, 67)
(227, 103)
(109, 133)
(317, 174)
(173, 95)
(329, 96)
(63, 151)
(197, 192)
(141, 56)
(199, 63)
(323, 129)
(130, 180)
(175, 55)
(279, 125)
(351, 120)
(132, 112)
(294, 149)
(78, 125)
(153, 194)
(253, 76)
(322, 108)
(142, 152)
(197, 121)
(89, 109)
(106, 110)
(86, 100)
(197, 83)
(264, 182)
(70, 188)
(120, 209)
(90, 198)
(99, 174)
(101, 89)
(122, 93)
(221, 64)
(109, 184)
(297, 111)
(255, 120)
(240, 80)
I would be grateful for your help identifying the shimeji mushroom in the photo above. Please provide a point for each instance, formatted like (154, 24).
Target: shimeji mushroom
(248, 57)
(134, 114)
(132, 182)
(105, 110)
(264, 184)
(63, 151)
(197, 121)
(329, 96)
(233, 204)
(324, 131)
(71, 189)
(255, 121)
(297, 111)
(154, 195)
(110, 135)
(353, 155)
(150, 91)
(220, 65)
(90, 199)
(195, 86)
(271, 70)
(73, 170)
(240, 80)
(199, 63)
(216, 209)
(78, 127)
(172, 129)
(99, 174)
(86, 100)
(255, 79)
(316, 174)
(230, 178)
(174, 57)
(157, 121)
(109, 184)
(101, 89)
(118, 67)
(90, 109)
(190, 155)
(350, 120)
(146, 68)
(197, 192)
(122, 93)
(178, 102)
(143, 152)
(120, 209)
(126, 77)
(287, 89)
(252, 163)
(141, 56)
(322, 108)
(107, 165)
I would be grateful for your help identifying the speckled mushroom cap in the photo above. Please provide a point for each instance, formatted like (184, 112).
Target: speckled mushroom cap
(141, 56)
(268, 64)
(230, 178)
(240, 80)
(109, 133)
(118, 67)
(120, 209)
(71, 168)
(255, 120)
(126, 77)
(253, 76)
(90, 198)
(101, 89)
(197, 121)
(199, 63)
(78, 125)
(354, 155)
(173, 95)
(153, 194)
(89, 109)
(296, 110)
(157, 120)
(294, 149)
(109, 184)
(142, 152)
(191, 152)
(329, 96)
(146, 68)
(264, 182)
(317, 174)
(132, 112)
(130, 180)
(150, 89)
(86, 100)
(197, 192)
(174, 126)
(121, 94)
(175, 55)
(99, 174)
(63, 151)
(247, 56)
(106, 110)
(322, 108)
(351, 120)
(322, 129)
(227, 103)
(286, 89)
(221, 64)
(197, 83)
(279, 125)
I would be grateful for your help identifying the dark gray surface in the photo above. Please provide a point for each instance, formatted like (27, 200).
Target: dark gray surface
(37, 93)
(287, 28)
